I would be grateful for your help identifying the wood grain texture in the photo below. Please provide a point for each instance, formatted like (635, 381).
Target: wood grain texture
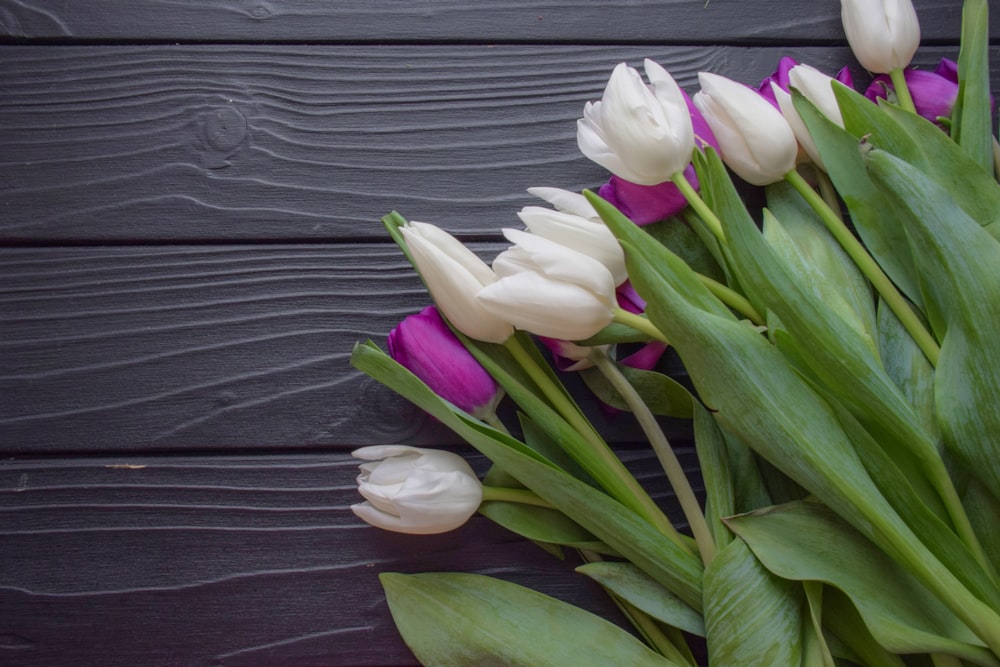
(237, 143)
(209, 348)
(657, 21)
(226, 561)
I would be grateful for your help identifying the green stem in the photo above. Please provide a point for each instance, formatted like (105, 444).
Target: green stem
(829, 192)
(698, 204)
(639, 323)
(664, 452)
(732, 298)
(611, 474)
(902, 90)
(924, 340)
(520, 496)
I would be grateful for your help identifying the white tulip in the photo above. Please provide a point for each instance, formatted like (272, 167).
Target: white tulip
(818, 89)
(592, 238)
(641, 133)
(566, 201)
(549, 289)
(755, 140)
(883, 34)
(415, 490)
(454, 275)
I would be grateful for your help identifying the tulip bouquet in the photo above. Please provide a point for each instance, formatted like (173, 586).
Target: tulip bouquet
(843, 361)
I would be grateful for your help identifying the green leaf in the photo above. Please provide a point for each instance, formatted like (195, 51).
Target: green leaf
(541, 524)
(961, 283)
(664, 395)
(687, 244)
(615, 333)
(877, 222)
(971, 122)
(751, 616)
(610, 521)
(817, 254)
(458, 619)
(713, 460)
(805, 541)
(635, 587)
(922, 144)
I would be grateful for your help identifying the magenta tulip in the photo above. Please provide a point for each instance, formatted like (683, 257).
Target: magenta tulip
(425, 345)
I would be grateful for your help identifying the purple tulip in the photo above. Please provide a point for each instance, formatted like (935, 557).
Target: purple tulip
(933, 93)
(646, 204)
(425, 345)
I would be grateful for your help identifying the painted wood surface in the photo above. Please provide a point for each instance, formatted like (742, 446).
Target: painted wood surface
(169, 143)
(189, 246)
(381, 21)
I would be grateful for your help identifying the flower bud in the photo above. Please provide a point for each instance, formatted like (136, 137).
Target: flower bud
(425, 345)
(639, 132)
(754, 139)
(549, 289)
(588, 236)
(883, 34)
(818, 89)
(454, 275)
(415, 490)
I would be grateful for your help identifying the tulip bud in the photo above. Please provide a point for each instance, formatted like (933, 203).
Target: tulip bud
(883, 34)
(818, 89)
(425, 345)
(639, 132)
(755, 140)
(415, 490)
(588, 236)
(549, 289)
(454, 275)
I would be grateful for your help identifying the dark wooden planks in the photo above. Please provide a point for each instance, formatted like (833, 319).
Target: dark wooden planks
(204, 347)
(226, 561)
(677, 21)
(230, 143)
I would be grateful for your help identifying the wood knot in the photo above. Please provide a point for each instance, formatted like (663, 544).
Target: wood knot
(223, 131)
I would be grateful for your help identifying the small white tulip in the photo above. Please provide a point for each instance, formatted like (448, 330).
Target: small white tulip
(454, 275)
(818, 89)
(883, 34)
(415, 490)
(549, 289)
(755, 140)
(639, 132)
(592, 238)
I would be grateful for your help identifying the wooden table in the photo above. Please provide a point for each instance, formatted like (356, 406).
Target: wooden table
(189, 247)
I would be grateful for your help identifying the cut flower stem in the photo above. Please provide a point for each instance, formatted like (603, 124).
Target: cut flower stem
(639, 323)
(664, 452)
(698, 204)
(612, 474)
(520, 496)
(902, 90)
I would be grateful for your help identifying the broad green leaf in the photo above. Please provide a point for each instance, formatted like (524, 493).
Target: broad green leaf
(805, 541)
(751, 616)
(837, 352)
(850, 637)
(908, 367)
(541, 524)
(713, 460)
(922, 144)
(959, 264)
(664, 395)
(615, 333)
(818, 251)
(459, 619)
(635, 587)
(687, 244)
(983, 508)
(815, 649)
(756, 395)
(971, 121)
(610, 521)
(877, 222)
